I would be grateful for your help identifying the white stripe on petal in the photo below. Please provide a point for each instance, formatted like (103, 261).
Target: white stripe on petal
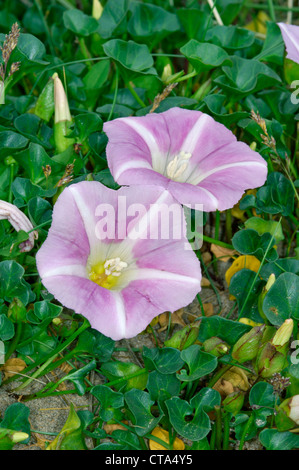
(121, 324)
(191, 140)
(129, 165)
(77, 270)
(197, 179)
(288, 36)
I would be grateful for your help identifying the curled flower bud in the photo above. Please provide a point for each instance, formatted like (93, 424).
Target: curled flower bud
(216, 346)
(19, 436)
(19, 221)
(184, 338)
(283, 334)
(269, 361)
(233, 403)
(63, 117)
(263, 294)
(246, 348)
(97, 9)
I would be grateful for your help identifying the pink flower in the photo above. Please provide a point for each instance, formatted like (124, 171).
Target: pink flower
(115, 268)
(198, 160)
(290, 34)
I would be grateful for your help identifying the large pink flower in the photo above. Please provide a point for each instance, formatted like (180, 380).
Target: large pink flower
(198, 160)
(290, 34)
(116, 262)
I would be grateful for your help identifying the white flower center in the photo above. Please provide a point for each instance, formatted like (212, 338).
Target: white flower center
(178, 165)
(114, 266)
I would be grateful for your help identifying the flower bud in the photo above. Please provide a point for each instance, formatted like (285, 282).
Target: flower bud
(17, 311)
(97, 9)
(269, 361)
(216, 346)
(167, 71)
(19, 437)
(246, 348)
(63, 117)
(19, 221)
(283, 334)
(233, 403)
(263, 294)
(183, 338)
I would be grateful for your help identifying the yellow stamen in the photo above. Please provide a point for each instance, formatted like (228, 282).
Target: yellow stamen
(178, 165)
(107, 273)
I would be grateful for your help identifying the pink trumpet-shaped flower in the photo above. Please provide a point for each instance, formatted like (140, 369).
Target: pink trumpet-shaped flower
(198, 160)
(116, 268)
(290, 34)
(19, 221)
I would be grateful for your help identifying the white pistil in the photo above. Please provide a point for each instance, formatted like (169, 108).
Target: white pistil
(178, 165)
(114, 266)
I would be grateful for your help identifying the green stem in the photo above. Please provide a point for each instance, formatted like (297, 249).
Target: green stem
(245, 431)
(41, 14)
(136, 96)
(271, 10)
(85, 52)
(13, 345)
(264, 6)
(226, 420)
(218, 427)
(205, 238)
(228, 224)
(115, 93)
(258, 272)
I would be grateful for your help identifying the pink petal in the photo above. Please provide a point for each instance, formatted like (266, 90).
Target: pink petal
(290, 34)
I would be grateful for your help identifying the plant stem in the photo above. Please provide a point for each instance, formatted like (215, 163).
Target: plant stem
(219, 374)
(13, 345)
(205, 238)
(226, 420)
(245, 431)
(136, 96)
(115, 93)
(218, 427)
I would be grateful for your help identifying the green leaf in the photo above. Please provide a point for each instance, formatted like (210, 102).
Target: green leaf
(262, 394)
(71, 435)
(86, 124)
(199, 363)
(239, 287)
(194, 22)
(164, 360)
(97, 76)
(282, 301)
(228, 330)
(127, 439)
(140, 403)
(199, 426)
(34, 128)
(7, 329)
(117, 369)
(113, 20)
(29, 51)
(11, 142)
(275, 440)
(214, 103)
(290, 265)
(39, 210)
(277, 196)
(230, 37)
(43, 311)
(229, 9)
(12, 283)
(263, 226)
(16, 418)
(32, 161)
(205, 56)
(133, 58)
(79, 23)
(151, 23)
(249, 242)
(78, 376)
(95, 343)
(109, 400)
(273, 48)
(246, 76)
(161, 387)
